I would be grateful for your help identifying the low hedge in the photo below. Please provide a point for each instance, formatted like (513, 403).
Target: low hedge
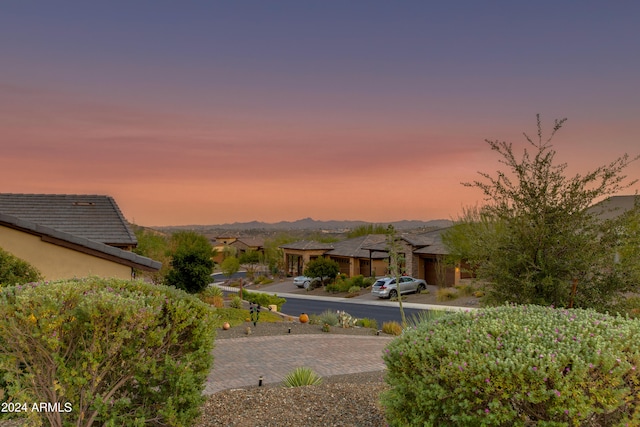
(515, 366)
(113, 352)
(344, 284)
(264, 300)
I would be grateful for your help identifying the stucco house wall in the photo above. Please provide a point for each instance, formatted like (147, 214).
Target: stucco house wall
(57, 262)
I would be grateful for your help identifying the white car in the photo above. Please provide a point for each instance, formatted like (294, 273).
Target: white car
(386, 287)
(305, 282)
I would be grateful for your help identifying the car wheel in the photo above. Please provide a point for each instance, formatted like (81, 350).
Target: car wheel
(393, 293)
(421, 287)
(306, 284)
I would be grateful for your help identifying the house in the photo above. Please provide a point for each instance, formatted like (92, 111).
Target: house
(220, 244)
(423, 257)
(422, 253)
(241, 245)
(354, 258)
(248, 244)
(66, 236)
(298, 254)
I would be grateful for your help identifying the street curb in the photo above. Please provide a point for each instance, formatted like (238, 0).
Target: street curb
(351, 300)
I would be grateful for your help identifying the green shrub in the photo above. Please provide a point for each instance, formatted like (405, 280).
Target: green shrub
(265, 300)
(263, 280)
(301, 377)
(327, 316)
(15, 271)
(212, 295)
(344, 284)
(211, 291)
(367, 323)
(354, 290)
(191, 263)
(446, 294)
(236, 302)
(515, 365)
(119, 352)
(465, 289)
(357, 281)
(392, 328)
(340, 285)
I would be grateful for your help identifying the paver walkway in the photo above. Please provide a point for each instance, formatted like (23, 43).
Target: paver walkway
(240, 362)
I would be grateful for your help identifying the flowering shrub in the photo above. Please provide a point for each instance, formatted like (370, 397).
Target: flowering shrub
(114, 352)
(516, 365)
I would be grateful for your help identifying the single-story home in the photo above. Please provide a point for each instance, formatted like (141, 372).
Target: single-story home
(66, 236)
(239, 243)
(423, 255)
(248, 244)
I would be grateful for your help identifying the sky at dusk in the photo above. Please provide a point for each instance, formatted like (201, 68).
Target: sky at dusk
(208, 112)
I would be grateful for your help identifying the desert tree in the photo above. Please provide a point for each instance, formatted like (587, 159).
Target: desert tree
(323, 267)
(534, 239)
(191, 261)
(396, 264)
(155, 245)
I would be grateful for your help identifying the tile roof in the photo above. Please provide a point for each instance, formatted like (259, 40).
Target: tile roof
(92, 217)
(356, 247)
(614, 206)
(308, 245)
(251, 241)
(80, 243)
(429, 242)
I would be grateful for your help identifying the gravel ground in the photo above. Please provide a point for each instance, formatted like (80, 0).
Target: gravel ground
(343, 400)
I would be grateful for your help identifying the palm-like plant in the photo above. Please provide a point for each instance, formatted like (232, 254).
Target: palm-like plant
(300, 377)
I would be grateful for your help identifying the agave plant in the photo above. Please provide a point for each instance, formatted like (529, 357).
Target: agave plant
(300, 377)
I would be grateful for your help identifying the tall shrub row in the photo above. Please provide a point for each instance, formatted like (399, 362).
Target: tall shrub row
(516, 366)
(115, 352)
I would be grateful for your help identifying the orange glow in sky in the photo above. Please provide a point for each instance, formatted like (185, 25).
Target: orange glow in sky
(224, 113)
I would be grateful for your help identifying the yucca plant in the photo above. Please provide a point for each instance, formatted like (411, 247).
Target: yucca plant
(300, 377)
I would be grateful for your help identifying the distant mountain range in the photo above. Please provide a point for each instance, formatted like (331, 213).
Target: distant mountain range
(312, 224)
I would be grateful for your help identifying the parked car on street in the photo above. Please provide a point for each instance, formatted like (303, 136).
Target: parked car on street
(305, 282)
(386, 287)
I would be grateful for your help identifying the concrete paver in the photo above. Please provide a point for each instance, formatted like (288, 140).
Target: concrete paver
(240, 362)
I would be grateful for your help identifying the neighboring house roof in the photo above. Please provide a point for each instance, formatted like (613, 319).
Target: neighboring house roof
(614, 206)
(81, 244)
(358, 247)
(429, 242)
(92, 217)
(252, 242)
(308, 245)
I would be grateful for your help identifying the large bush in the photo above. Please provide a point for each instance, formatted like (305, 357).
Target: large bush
(15, 271)
(536, 236)
(324, 268)
(516, 366)
(191, 262)
(115, 352)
